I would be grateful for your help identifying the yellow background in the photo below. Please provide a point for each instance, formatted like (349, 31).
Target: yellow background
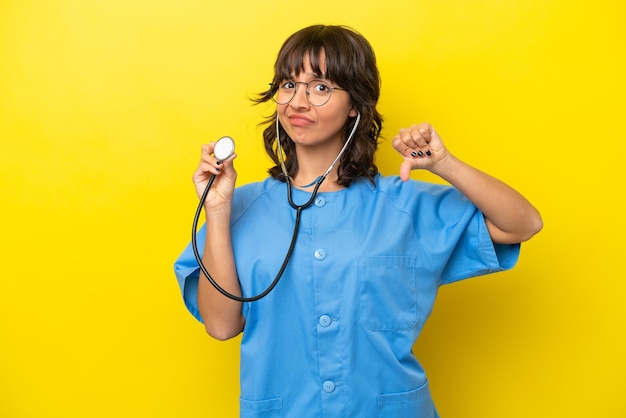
(104, 105)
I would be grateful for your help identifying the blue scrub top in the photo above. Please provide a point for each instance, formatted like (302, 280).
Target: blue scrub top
(335, 337)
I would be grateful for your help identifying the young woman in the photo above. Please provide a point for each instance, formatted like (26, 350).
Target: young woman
(334, 337)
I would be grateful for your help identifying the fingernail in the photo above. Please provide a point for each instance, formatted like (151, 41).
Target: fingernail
(219, 162)
(414, 154)
(218, 170)
(428, 153)
(420, 153)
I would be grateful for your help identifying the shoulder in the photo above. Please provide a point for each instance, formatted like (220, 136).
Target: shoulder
(420, 199)
(394, 188)
(246, 195)
(257, 188)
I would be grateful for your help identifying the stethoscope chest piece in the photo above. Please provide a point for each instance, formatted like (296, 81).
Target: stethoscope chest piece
(224, 148)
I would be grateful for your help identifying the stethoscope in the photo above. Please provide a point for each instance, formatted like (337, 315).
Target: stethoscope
(224, 148)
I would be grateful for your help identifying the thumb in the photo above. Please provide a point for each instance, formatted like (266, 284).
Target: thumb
(405, 170)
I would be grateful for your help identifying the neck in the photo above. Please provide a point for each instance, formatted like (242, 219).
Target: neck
(313, 163)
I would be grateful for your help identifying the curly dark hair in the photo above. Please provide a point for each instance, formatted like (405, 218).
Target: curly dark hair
(351, 63)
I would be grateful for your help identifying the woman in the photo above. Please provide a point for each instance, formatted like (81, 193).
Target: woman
(334, 337)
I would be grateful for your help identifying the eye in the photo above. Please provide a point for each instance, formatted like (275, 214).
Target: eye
(321, 87)
(287, 85)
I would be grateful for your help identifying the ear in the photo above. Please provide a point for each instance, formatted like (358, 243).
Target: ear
(353, 113)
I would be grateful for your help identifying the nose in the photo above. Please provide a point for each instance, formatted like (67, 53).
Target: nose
(300, 99)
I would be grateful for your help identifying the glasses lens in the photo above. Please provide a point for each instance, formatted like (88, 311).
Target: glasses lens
(285, 92)
(318, 92)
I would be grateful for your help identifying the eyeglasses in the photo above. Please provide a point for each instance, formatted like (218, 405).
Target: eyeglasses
(318, 92)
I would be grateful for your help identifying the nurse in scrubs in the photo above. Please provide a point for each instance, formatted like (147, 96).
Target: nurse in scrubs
(335, 336)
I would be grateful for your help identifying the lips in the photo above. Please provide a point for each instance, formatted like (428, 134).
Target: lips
(299, 120)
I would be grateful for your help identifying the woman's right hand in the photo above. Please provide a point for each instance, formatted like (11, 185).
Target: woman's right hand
(223, 187)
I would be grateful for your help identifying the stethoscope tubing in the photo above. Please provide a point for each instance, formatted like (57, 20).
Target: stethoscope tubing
(194, 243)
(298, 208)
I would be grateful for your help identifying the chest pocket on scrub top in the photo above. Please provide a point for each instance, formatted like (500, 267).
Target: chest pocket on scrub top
(387, 293)
(269, 408)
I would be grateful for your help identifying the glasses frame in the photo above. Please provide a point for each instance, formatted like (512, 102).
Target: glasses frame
(295, 90)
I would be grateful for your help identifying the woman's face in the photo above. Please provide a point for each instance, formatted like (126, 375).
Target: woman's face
(308, 125)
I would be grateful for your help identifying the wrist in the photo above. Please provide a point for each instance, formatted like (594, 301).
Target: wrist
(218, 213)
(447, 167)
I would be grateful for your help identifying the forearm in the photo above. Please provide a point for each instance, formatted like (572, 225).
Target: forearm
(222, 316)
(510, 217)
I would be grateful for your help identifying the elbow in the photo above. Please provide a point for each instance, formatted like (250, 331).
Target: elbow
(536, 225)
(222, 333)
(533, 226)
(526, 228)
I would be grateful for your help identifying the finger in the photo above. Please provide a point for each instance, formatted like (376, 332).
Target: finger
(405, 143)
(410, 151)
(205, 169)
(425, 130)
(405, 170)
(413, 142)
(408, 137)
(399, 145)
(207, 149)
(208, 162)
(422, 136)
(229, 160)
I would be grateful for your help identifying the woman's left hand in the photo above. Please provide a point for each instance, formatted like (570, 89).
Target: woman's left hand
(421, 147)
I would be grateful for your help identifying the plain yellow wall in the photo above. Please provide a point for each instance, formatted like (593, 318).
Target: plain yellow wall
(103, 108)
